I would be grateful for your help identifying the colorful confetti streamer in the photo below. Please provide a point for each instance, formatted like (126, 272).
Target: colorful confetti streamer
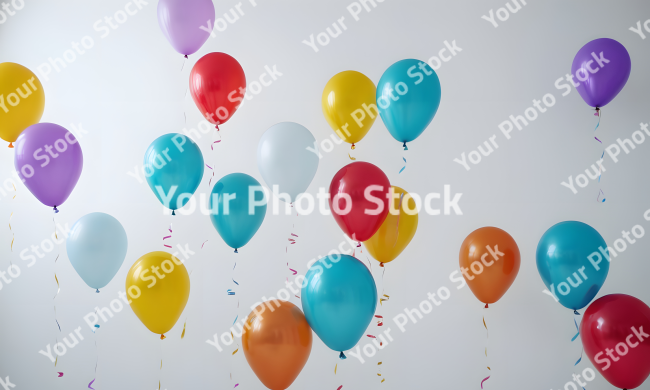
(60, 374)
(484, 381)
(578, 329)
(404, 167)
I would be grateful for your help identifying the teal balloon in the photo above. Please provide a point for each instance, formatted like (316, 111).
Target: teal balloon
(237, 208)
(173, 166)
(408, 97)
(96, 248)
(573, 261)
(339, 298)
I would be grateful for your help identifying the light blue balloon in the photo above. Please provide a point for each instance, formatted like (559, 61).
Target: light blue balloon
(415, 91)
(173, 166)
(96, 248)
(237, 219)
(339, 298)
(563, 262)
(287, 156)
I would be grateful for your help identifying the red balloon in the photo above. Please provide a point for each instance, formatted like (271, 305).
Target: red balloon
(355, 210)
(217, 85)
(615, 333)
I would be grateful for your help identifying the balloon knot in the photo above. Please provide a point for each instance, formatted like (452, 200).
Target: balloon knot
(11, 145)
(352, 147)
(56, 211)
(358, 245)
(486, 306)
(381, 265)
(173, 212)
(576, 312)
(185, 55)
(97, 291)
(405, 147)
(217, 126)
(342, 356)
(236, 250)
(162, 337)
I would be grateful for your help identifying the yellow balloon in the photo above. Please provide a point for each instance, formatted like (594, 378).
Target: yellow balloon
(398, 229)
(22, 100)
(158, 286)
(349, 105)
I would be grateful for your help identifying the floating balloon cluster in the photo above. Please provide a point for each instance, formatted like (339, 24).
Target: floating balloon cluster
(339, 296)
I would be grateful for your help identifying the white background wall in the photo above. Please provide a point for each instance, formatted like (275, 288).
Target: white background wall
(129, 89)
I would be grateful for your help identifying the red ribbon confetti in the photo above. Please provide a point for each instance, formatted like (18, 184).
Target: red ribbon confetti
(60, 374)
(484, 381)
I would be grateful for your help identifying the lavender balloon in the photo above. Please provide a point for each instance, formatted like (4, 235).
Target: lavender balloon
(601, 69)
(187, 24)
(49, 161)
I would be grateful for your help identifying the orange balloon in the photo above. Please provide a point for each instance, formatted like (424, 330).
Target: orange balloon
(489, 261)
(277, 343)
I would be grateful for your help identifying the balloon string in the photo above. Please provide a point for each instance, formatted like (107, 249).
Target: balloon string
(58, 290)
(575, 337)
(161, 360)
(96, 357)
(404, 167)
(13, 236)
(600, 163)
(487, 337)
(335, 369)
(380, 322)
(232, 292)
(216, 133)
(169, 236)
(291, 241)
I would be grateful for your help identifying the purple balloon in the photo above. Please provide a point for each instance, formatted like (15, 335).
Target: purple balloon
(181, 22)
(49, 161)
(601, 69)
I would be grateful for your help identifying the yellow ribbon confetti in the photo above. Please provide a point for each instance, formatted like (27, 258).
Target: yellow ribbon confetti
(335, 368)
(13, 236)
(183, 334)
(351, 158)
